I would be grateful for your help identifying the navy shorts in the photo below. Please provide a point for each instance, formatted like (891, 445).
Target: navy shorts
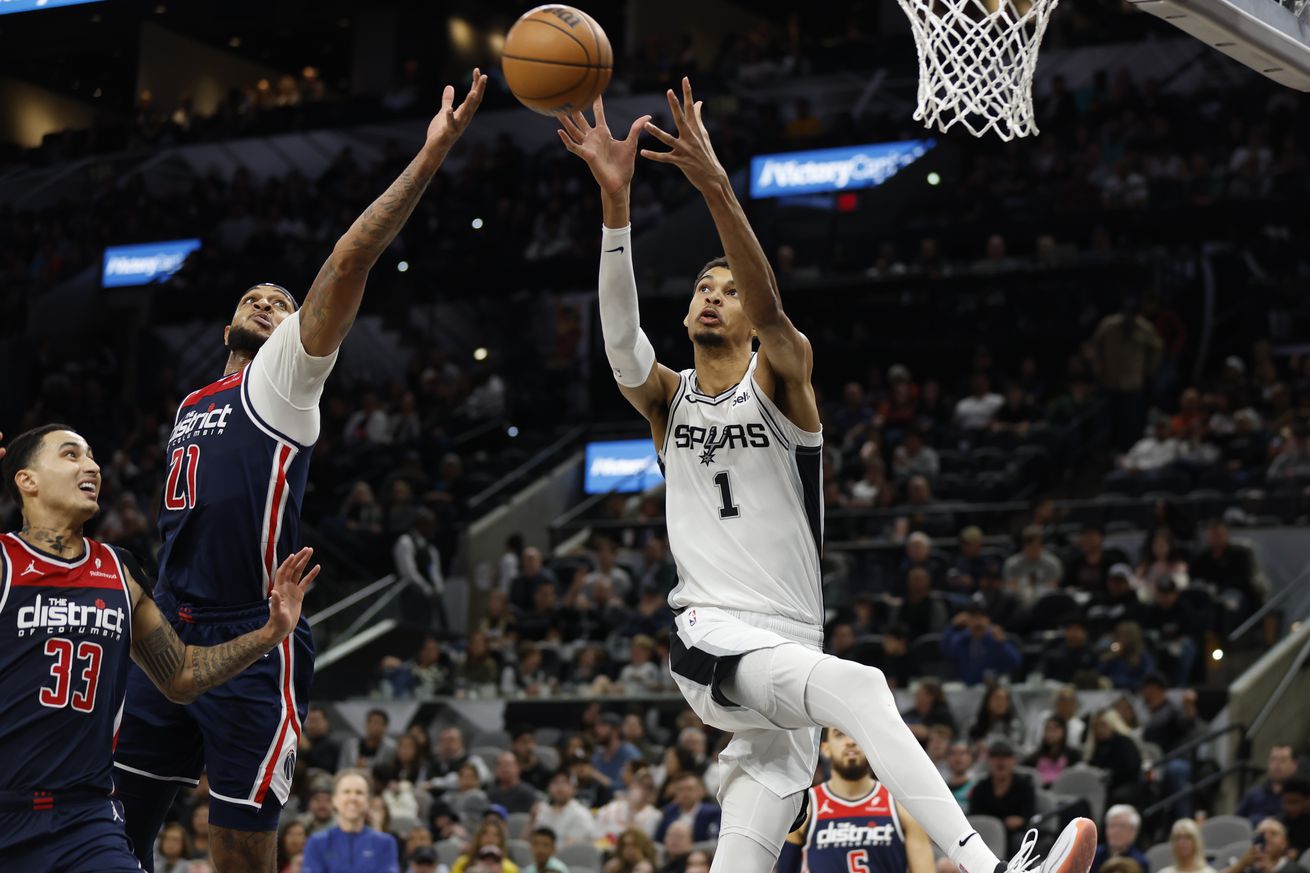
(244, 733)
(64, 836)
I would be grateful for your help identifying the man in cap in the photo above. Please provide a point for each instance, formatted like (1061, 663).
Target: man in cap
(1004, 794)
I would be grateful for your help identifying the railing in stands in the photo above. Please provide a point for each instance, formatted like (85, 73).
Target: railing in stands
(1288, 677)
(1165, 803)
(1267, 607)
(494, 493)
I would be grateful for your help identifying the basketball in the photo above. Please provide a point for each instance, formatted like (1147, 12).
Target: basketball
(557, 60)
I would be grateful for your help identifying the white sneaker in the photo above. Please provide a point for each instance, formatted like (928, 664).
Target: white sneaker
(1072, 852)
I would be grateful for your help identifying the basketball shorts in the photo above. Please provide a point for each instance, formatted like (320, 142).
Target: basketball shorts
(244, 733)
(63, 836)
(706, 644)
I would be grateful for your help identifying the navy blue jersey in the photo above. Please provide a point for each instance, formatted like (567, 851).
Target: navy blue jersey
(854, 836)
(67, 637)
(238, 460)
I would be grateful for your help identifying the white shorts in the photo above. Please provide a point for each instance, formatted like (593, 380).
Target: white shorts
(780, 758)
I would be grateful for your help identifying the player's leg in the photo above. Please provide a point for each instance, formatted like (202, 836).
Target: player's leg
(236, 850)
(795, 687)
(91, 837)
(754, 825)
(158, 754)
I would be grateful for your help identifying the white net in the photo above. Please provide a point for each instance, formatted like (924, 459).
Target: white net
(976, 62)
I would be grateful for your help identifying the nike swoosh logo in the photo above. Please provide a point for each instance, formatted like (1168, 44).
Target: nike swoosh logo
(619, 249)
(968, 838)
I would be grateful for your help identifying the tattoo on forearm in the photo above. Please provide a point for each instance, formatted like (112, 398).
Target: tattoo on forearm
(214, 665)
(160, 654)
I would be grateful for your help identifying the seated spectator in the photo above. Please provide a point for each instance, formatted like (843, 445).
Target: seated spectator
(1111, 747)
(1034, 568)
(488, 850)
(479, 666)
(872, 488)
(1073, 656)
(920, 611)
(1064, 705)
(978, 649)
(1153, 452)
(410, 761)
(1003, 608)
(546, 619)
(689, 803)
(1122, 824)
(1227, 565)
(1128, 662)
(291, 839)
(523, 744)
(612, 750)
(1296, 814)
(543, 853)
(1004, 794)
(1269, 852)
(1089, 564)
(641, 674)
(1265, 800)
(526, 677)
(318, 815)
(423, 860)
(975, 412)
(522, 590)
(350, 838)
(915, 458)
(938, 747)
(1055, 753)
(1017, 415)
(1119, 602)
(630, 809)
(316, 747)
(970, 561)
(1161, 560)
(918, 554)
(173, 849)
(509, 790)
(1292, 460)
(929, 708)
(563, 814)
(422, 677)
(1179, 631)
(698, 861)
(619, 581)
(677, 847)
(633, 852)
(466, 797)
(498, 622)
(374, 747)
(960, 771)
(451, 755)
(896, 663)
(659, 574)
(443, 824)
(1188, 848)
(997, 718)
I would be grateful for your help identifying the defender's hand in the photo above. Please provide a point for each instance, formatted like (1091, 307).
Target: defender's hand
(289, 593)
(611, 161)
(690, 150)
(449, 122)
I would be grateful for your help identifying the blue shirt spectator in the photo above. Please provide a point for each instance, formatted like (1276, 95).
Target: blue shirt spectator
(1266, 799)
(977, 649)
(612, 751)
(350, 846)
(689, 804)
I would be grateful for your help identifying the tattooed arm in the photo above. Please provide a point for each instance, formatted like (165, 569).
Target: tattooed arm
(333, 299)
(185, 672)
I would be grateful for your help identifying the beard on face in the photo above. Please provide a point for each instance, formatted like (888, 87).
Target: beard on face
(851, 771)
(244, 341)
(709, 339)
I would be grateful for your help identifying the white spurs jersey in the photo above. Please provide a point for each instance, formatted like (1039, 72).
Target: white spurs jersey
(744, 502)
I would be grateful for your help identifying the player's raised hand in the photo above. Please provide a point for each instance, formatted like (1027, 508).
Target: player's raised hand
(450, 122)
(612, 161)
(690, 150)
(288, 593)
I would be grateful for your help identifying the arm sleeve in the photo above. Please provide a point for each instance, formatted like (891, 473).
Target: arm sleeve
(629, 351)
(285, 382)
(790, 859)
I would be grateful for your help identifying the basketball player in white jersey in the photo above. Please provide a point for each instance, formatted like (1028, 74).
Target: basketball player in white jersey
(739, 435)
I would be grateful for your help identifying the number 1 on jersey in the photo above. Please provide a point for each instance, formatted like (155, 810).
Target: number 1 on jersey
(727, 509)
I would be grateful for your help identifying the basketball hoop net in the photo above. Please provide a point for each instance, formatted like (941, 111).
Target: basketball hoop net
(976, 62)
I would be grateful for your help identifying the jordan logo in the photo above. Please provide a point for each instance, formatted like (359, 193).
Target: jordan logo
(31, 569)
(825, 809)
(114, 806)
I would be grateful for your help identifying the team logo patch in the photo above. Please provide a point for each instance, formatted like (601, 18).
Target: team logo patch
(289, 764)
(691, 618)
(31, 569)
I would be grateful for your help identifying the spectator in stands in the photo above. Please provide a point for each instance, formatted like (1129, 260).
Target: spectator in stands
(466, 796)
(606, 568)
(1157, 450)
(417, 562)
(543, 853)
(1034, 568)
(526, 677)
(929, 708)
(546, 620)
(1122, 824)
(1003, 607)
(1111, 747)
(316, 747)
(487, 851)
(698, 861)
(633, 852)
(350, 838)
(612, 751)
(652, 614)
(938, 747)
(689, 804)
(509, 790)
(1296, 814)
(677, 847)
(1292, 462)
(1188, 848)
(1269, 852)
(522, 589)
(1128, 662)
(450, 756)
(918, 554)
(1179, 630)
(173, 849)
(1227, 565)
(423, 677)
(291, 839)
(1064, 661)
(1265, 800)
(410, 761)
(1055, 753)
(479, 666)
(370, 424)
(562, 813)
(920, 611)
(1126, 350)
(1161, 560)
(658, 573)
(974, 413)
(318, 815)
(423, 860)
(641, 674)
(913, 457)
(1016, 416)
(524, 746)
(978, 649)
(896, 663)
(631, 808)
(960, 771)
(1169, 726)
(1004, 794)
(1119, 602)
(1088, 566)
(372, 748)
(969, 560)
(1064, 705)
(997, 718)
(498, 622)
(849, 421)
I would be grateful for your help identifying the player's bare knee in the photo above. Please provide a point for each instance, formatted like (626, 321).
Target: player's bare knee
(236, 851)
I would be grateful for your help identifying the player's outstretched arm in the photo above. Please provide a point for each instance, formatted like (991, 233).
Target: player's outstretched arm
(785, 348)
(185, 672)
(333, 299)
(644, 382)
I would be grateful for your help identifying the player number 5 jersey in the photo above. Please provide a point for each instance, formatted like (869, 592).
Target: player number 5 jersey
(744, 502)
(844, 835)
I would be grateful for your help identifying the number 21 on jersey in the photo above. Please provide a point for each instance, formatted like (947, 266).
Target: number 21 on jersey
(180, 490)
